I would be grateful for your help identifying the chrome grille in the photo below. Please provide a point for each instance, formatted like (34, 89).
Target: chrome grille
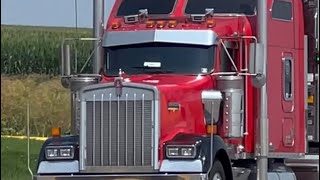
(120, 130)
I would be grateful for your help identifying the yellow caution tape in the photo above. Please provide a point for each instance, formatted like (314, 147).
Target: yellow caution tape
(25, 137)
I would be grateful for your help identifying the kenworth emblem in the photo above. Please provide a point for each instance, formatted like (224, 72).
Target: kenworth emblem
(118, 86)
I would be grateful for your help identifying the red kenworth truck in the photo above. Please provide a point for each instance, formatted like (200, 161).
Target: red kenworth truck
(193, 89)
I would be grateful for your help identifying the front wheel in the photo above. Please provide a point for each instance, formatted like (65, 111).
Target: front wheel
(217, 171)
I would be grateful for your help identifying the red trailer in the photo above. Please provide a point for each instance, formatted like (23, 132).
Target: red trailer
(194, 89)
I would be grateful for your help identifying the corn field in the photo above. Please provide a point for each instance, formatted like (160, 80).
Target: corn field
(30, 61)
(28, 50)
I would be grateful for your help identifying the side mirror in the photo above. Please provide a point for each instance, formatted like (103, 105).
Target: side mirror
(256, 65)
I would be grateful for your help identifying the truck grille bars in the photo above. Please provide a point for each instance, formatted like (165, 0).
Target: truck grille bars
(119, 130)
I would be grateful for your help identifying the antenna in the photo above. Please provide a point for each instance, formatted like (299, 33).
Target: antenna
(76, 13)
(76, 24)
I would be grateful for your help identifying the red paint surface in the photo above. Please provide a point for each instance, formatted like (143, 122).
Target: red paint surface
(283, 37)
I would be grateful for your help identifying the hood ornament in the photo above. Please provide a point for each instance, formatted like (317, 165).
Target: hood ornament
(118, 84)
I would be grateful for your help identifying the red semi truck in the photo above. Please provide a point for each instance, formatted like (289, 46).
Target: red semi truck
(194, 89)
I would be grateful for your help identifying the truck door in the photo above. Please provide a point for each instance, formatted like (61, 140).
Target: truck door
(282, 83)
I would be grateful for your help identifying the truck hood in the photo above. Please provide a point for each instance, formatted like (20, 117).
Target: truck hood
(183, 91)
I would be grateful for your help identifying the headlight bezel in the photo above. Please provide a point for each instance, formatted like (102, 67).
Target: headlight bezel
(59, 148)
(180, 147)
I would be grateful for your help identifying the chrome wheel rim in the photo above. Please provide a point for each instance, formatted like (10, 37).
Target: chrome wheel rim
(217, 176)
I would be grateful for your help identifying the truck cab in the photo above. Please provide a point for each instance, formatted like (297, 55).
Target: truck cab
(174, 93)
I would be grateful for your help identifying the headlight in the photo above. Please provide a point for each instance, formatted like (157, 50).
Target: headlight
(59, 152)
(181, 151)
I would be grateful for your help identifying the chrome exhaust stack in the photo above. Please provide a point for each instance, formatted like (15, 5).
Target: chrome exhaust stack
(74, 80)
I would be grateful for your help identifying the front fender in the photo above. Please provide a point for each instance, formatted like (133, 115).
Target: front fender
(202, 162)
(59, 141)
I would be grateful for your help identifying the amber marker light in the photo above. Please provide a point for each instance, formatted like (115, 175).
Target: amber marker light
(150, 24)
(310, 99)
(172, 23)
(115, 25)
(211, 23)
(212, 129)
(55, 132)
(160, 24)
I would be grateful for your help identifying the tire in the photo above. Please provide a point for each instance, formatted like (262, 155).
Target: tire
(217, 171)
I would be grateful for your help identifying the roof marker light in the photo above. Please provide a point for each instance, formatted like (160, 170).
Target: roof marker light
(172, 23)
(211, 23)
(150, 24)
(160, 24)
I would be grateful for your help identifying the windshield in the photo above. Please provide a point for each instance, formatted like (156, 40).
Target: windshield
(246, 7)
(132, 7)
(161, 58)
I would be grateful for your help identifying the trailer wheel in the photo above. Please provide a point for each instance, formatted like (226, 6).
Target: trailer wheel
(217, 172)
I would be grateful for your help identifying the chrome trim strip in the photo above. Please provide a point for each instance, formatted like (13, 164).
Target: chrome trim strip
(142, 133)
(127, 128)
(110, 128)
(83, 130)
(211, 95)
(134, 128)
(152, 132)
(146, 176)
(156, 130)
(101, 129)
(118, 133)
(285, 155)
(94, 131)
(199, 37)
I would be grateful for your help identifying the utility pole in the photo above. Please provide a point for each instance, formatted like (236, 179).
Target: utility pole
(98, 18)
(262, 159)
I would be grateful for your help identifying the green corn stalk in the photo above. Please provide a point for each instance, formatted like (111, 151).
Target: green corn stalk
(29, 50)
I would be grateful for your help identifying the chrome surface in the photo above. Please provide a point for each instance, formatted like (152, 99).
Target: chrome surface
(316, 22)
(98, 20)
(189, 166)
(240, 173)
(317, 104)
(284, 155)
(236, 152)
(76, 82)
(199, 37)
(58, 167)
(126, 177)
(217, 176)
(305, 59)
(211, 95)
(307, 160)
(233, 104)
(181, 146)
(119, 133)
(262, 143)
(58, 148)
(212, 101)
(65, 60)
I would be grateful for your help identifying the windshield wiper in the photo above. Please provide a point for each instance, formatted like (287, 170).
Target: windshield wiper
(156, 70)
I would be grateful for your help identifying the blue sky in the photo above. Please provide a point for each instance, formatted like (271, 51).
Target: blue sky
(49, 12)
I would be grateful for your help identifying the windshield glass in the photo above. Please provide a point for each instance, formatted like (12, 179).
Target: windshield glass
(156, 58)
(246, 7)
(132, 7)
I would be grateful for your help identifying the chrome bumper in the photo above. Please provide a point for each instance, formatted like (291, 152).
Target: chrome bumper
(124, 177)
